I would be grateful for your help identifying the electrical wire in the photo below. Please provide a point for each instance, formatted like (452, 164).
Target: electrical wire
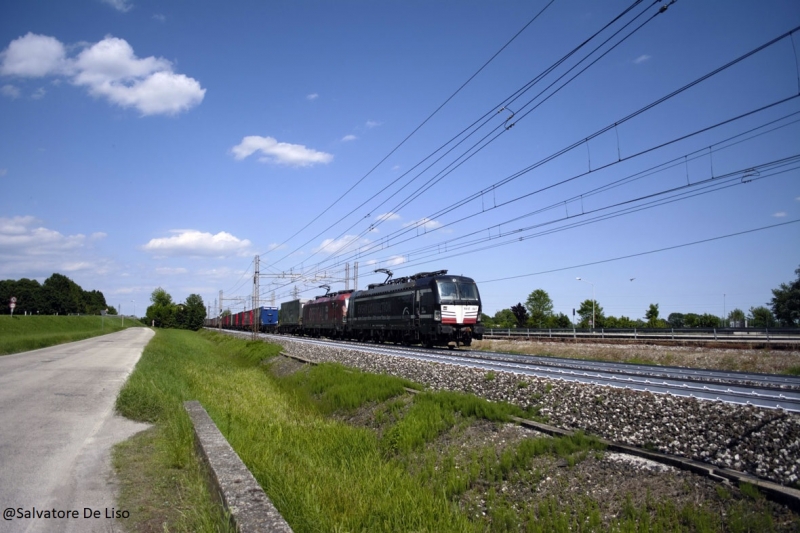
(639, 254)
(524, 89)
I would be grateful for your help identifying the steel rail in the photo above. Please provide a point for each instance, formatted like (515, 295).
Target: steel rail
(637, 378)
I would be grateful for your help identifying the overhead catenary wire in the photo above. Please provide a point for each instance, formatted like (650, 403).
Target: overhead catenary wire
(599, 132)
(747, 55)
(524, 89)
(427, 119)
(355, 254)
(639, 254)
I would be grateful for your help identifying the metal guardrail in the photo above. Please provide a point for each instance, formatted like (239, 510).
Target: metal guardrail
(717, 334)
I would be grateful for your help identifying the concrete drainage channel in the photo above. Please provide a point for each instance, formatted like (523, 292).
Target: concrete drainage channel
(231, 482)
(250, 509)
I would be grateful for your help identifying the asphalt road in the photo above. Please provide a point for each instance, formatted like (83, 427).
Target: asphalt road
(57, 426)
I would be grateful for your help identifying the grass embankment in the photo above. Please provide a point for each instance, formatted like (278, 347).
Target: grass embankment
(406, 470)
(23, 333)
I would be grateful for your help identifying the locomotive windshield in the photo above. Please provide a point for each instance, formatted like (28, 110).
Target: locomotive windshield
(452, 290)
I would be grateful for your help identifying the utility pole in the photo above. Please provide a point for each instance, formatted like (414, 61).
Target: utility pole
(355, 276)
(256, 310)
(346, 276)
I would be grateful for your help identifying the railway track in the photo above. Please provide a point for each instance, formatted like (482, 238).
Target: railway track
(761, 390)
(783, 338)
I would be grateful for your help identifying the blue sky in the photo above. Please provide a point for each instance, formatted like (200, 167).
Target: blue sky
(147, 144)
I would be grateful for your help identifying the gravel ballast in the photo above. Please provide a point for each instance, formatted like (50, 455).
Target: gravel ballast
(762, 442)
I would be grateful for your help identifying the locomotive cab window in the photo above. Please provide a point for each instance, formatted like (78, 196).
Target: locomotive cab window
(447, 290)
(468, 291)
(450, 291)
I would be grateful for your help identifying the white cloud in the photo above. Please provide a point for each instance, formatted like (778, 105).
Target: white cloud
(347, 138)
(779, 214)
(159, 17)
(33, 56)
(28, 249)
(346, 243)
(295, 155)
(395, 260)
(76, 266)
(120, 5)
(641, 59)
(10, 91)
(195, 243)
(424, 223)
(96, 236)
(372, 124)
(111, 69)
(39, 93)
(171, 271)
(312, 96)
(108, 69)
(387, 216)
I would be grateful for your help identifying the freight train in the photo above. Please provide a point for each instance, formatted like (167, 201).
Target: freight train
(430, 308)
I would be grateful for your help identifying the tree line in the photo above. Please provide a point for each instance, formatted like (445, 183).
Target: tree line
(163, 312)
(537, 312)
(58, 295)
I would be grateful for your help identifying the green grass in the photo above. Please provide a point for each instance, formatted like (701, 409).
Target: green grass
(331, 387)
(325, 475)
(23, 333)
(321, 475)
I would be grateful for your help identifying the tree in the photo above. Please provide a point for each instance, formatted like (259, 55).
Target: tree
(61, 295)
(540, 308)
(736, 318)
(676, 320)
(623, 322)
(785, 302)
(520, 313)
(26, 291)
(162, 311)
(504, 319)
(652, 316)
(194, 312)
(585, 312)
(559, 321)
(761, 317)
(707, 320)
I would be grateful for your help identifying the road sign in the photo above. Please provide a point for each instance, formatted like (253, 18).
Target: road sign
(12, 305)
(13, 299)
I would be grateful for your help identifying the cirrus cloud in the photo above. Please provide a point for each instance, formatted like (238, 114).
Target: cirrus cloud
(272, 151)
(195, 243)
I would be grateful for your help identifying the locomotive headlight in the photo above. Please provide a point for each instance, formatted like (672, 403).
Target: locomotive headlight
(437, 316)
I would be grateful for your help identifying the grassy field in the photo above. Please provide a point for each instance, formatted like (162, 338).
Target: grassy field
(23, 333)
(340, 450)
